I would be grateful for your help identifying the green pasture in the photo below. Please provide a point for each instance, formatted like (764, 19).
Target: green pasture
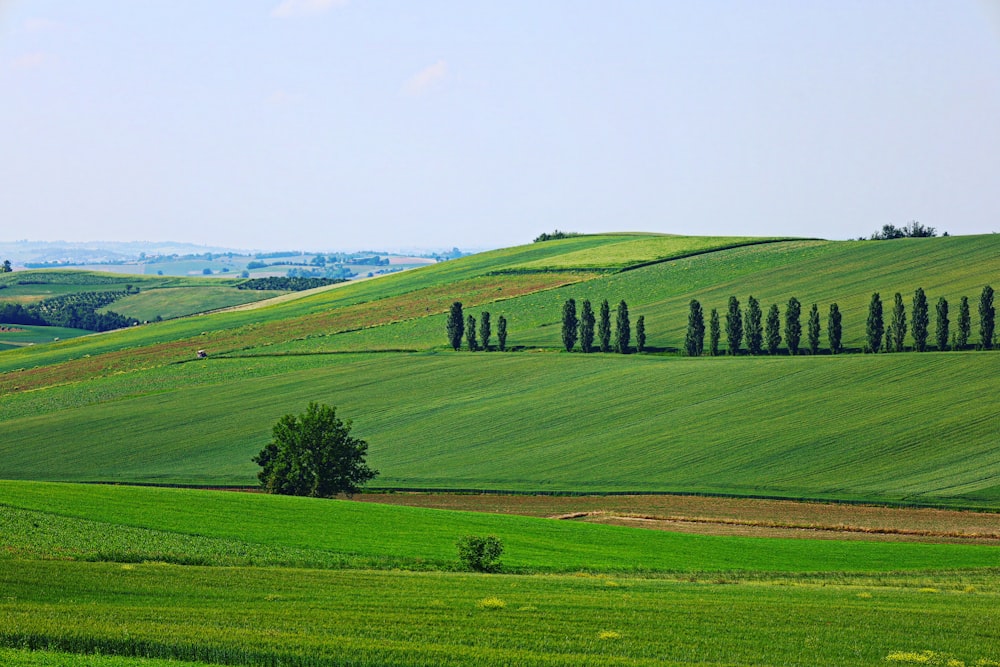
(256, 616)
(33, 335)
(633, 249)
(171, 302)
(901, 428)
(374, 535)
(220, 577)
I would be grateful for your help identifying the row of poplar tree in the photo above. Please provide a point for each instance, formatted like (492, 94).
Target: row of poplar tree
(594, 332)
(763, 334)
(460, 325)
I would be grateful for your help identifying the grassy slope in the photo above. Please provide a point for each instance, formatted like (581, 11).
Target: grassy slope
(381, 534)
(841, 427)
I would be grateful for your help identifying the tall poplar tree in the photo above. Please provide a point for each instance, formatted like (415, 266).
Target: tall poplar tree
(502, 333)
(714, 333)
(793, 325)
(987, 318)
(753, 327)
(604, 327)
(964, 325)
(640, 334)
(875, 327)
(772, 329)
(812, 330)
(921, 320)
(897, 325)
(485, 330)
(586, 327)
(623, 328)
(569, 324)
(834, 332)
(941, 328)
(734, 326)
(470, 333)
(694, 339)
(456, 325)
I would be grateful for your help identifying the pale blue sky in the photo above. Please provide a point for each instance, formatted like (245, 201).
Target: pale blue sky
(343, 124)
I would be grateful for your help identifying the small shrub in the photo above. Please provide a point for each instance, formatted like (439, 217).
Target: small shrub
(481, 554)
(491, 604)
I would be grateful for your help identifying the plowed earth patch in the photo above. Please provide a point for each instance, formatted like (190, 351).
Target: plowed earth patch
(730, 516)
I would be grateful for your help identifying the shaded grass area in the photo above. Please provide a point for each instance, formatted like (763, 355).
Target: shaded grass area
(903, 428)
(368, 535)
(306, 617)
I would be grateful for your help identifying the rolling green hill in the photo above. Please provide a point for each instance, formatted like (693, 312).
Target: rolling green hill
(136, 406)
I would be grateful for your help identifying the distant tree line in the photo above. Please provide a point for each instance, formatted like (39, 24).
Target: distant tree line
(913, 230)
(464, 326)
(286, 283)
(544, 236)
(75, 311)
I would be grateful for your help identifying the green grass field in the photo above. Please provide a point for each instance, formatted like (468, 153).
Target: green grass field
(734, 426)
(138, 574)
(83, 571)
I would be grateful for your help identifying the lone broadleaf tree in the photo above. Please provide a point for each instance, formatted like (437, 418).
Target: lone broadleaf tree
(586, 327)
(313, 454)
(569, 325)
(456, 325)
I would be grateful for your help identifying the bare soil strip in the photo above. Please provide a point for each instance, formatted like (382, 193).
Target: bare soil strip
(730, 516)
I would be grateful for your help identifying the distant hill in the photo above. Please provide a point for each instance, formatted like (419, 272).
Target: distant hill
(137, 405)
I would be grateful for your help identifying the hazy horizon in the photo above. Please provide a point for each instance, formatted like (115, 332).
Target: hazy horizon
(345, 124)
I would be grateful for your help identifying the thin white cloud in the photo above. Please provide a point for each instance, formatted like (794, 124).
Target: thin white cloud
(32, 61)
(295, 8)
(283, 98)
(426, 79)
(37, 24)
